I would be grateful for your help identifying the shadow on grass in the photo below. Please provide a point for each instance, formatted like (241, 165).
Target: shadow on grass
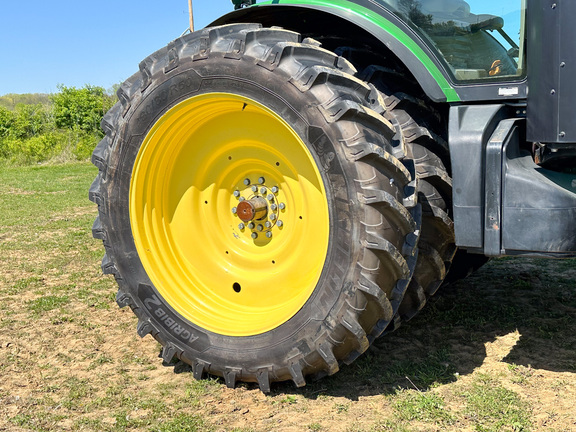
(535, 297)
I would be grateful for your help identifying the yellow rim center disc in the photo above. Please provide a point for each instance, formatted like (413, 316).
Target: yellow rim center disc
(228, 275)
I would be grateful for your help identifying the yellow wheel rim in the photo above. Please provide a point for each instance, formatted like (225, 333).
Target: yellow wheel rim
(205, 159)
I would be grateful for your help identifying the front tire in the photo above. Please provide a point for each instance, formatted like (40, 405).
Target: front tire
(240, 114)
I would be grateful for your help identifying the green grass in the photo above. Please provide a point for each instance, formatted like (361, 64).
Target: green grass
(47, 303)
(414, 405)
(183, 423)
(494, 408)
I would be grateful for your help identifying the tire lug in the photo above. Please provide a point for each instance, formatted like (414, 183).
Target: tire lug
(261, 180)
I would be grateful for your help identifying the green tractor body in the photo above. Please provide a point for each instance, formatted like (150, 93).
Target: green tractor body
(281, 188)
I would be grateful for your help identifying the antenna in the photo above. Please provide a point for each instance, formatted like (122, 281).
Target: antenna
(191, 16)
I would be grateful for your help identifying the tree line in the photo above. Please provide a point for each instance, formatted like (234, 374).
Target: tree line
(62, 126)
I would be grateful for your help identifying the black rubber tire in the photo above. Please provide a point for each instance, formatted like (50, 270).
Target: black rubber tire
(463, 265)
(370, 188)
(423, 130)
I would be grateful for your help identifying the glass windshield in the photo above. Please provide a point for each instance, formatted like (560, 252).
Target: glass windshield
(479, 39)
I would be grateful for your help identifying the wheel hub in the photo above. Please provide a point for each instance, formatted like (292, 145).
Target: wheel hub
(259, 208)
(256, 208)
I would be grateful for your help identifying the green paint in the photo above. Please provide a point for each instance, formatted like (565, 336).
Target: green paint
(388, 27)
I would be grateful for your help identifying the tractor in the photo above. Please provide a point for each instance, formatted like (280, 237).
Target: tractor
(279, 189)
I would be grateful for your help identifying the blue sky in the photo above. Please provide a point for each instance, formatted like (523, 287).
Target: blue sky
(44, 43)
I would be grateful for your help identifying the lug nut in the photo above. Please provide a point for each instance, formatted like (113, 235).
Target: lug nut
(233, 210)
(241, 226)
(241, 199)
(251, 225)
(269, 234)
(274, 189)
(279, 223)
(273, 207)
(282, 206)
(247, 182)
(261, 180)
(259, 227)
(254, 188)
(272, 216)
(263, 190)
(268, 224)
(236, 193)
(254, 235)
(270, 197)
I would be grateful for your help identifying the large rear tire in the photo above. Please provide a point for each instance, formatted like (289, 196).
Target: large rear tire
(423, 130)
(255, 211)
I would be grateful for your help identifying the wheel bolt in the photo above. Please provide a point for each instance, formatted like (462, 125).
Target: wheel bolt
(261, 180)
(247, 182)
(274, 189)
(263, 190)
(251, 225)
(270, 197)
(273, 207)
(236, 193)
(259, 227)
(233, 210)
(282, 206)
(241, 199)
(254, 235)
(272, 216)
(269, 234)
(279, 223)
(241, 226)
(254, 188)
(268, 224)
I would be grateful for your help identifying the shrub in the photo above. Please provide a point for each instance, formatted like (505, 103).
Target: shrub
(81, 109)
(38, 148)
(67, 128)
